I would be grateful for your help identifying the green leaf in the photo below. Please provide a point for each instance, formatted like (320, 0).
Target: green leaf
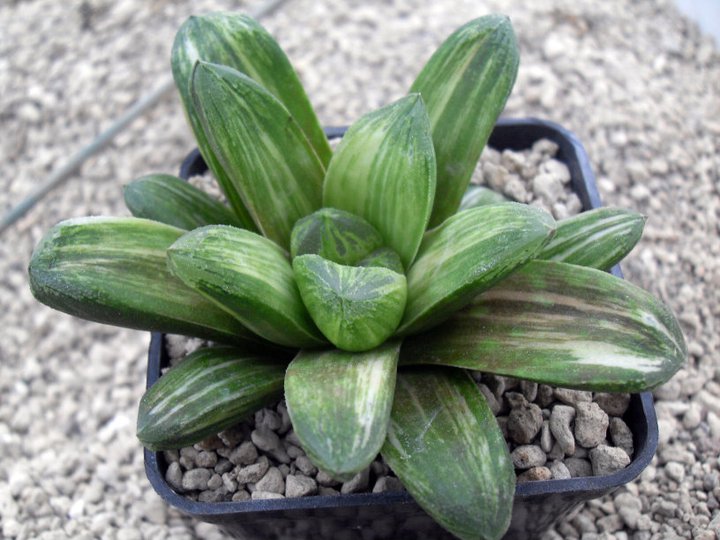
(446, 447)
(356, 308)
(480, 196)
(113, 271)
(207, 392)
(169, 199)
(335, 235)
(339, 404)
(563, 325)
(261, 147)
(384, 257)
(598, 238)
(239, 42)
(250, 277)
(465, 85)
(384, 171)
(467, 254)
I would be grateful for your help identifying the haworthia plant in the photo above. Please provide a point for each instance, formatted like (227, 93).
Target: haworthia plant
(339, 403)
(465, 85)
(238, 41)
(563, 325)
(169, 199)
(279, 177)
(444, 444)
(210, 390)
(357, 269)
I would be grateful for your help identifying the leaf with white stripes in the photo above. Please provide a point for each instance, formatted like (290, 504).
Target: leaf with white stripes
(468, 253)
(209, 391)
(465, 85)
(262, 149)
(356, 307)
(339, 404)
(384, 171)
(335, 235)
(114, 271)
(562, 325)
(480, 196)
(250, 277)
(446, 447)
(172, 200)
(384, 257)
(598, 238)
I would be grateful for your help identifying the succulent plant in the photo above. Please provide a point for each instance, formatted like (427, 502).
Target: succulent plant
(353, 280)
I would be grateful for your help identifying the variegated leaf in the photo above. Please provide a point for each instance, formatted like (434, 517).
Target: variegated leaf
(465, 85)
(262, 149)
(384, 257)
(598, 238)
(357, 308)
(480, 196)
(335, 235)
(210, 390)
(169, 199)
(339, 404)
(114, 271)
(446, 447)
(250, 277)
(562, 325)
(384, 171)
(467, 254)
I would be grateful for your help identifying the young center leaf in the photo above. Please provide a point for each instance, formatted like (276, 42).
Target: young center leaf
(446, 447)
(248, 276)
(480, 196)
(465, 85)
(384, 171)
(265, 154)
(172, 200)
(356, 307)
(114, 271)
(562, 325)
(210, 390)
(598, 238)
(467, 254)
(339, 403)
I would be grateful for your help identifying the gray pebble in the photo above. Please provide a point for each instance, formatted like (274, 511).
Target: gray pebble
(528, 456)
(223, 466)
(196, 479)
(279, 454)
(324, 479)
(629, 508)
(327, 491)
(229, 482)
(534, 474)
(252, 473)
(608, 459)
(206, 459)
(268, 419)
(621, 436)
(293, 451)
(545, 395)
(285, 423)
(262, 495)
(187, 457)
(559, 470)
(387, 483)
(556, 452)
(306, 466)
(284, 469)
(265, 439)
(524, 422)
(546, 439)
(299, 486)
(578, 467)
(241, 495)
(572, 397)
(215, 482)
(591, 424)
(232, 436)
(272, 482)
(292, 438)
(515, 400)
(174, 475)
(614, 404)
(561, 418)
(245, 454)
(675, 471)
(212, 495)
(548, 187)
(529, 389)
(490, 398)
(357, 483)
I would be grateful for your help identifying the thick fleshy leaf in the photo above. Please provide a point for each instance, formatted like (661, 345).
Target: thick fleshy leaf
(356, 307)
(339, 404)
(172, 200)
(384, 257)
(237, 41)
(210, 390)
(563, 325)
(447, 449)
(467, 254)
(250, 277)
(262, 149)
(335, 235)
(480, 196)
(384, 171)
(465, 85)
(114, 271)
(598, 238)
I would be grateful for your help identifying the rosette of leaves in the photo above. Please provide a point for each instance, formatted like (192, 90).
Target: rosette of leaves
(354, 281)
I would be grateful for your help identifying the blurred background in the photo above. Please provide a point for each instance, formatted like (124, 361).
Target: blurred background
(637, 81)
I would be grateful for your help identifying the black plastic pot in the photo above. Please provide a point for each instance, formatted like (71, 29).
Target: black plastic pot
(537, 505)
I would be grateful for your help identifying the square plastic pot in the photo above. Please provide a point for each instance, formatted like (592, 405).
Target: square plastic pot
(537, 505)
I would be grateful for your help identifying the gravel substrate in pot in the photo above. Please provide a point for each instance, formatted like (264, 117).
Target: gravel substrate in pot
(388, 513)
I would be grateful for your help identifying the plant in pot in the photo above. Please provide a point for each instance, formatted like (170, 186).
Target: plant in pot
(350, 280)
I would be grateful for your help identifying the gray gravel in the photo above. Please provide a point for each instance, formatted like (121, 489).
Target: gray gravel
(634, 80)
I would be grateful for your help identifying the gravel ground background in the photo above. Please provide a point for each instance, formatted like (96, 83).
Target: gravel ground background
(635, 80)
